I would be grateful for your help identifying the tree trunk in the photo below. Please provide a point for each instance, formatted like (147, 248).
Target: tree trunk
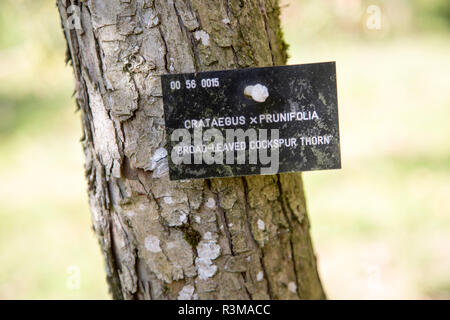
(231, 238)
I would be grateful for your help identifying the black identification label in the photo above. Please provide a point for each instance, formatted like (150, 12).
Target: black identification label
(252, 121)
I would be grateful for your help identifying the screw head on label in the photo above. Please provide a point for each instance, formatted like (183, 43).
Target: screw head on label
(258, 92)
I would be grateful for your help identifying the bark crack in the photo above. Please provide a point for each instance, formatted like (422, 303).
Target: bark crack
(189, 35)
(223, 217)
(260, 250)
(285, 213)
(166, 50)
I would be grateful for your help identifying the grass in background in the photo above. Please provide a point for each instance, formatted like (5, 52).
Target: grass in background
(381, 225)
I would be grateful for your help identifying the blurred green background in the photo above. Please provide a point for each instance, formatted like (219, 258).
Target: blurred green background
(381, 225)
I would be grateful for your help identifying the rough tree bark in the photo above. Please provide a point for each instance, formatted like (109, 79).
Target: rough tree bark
(233, 238)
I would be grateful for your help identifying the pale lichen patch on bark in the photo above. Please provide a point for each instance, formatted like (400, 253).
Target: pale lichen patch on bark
(152, 244)
(187, 293)
(207, 251)
(260, 276)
